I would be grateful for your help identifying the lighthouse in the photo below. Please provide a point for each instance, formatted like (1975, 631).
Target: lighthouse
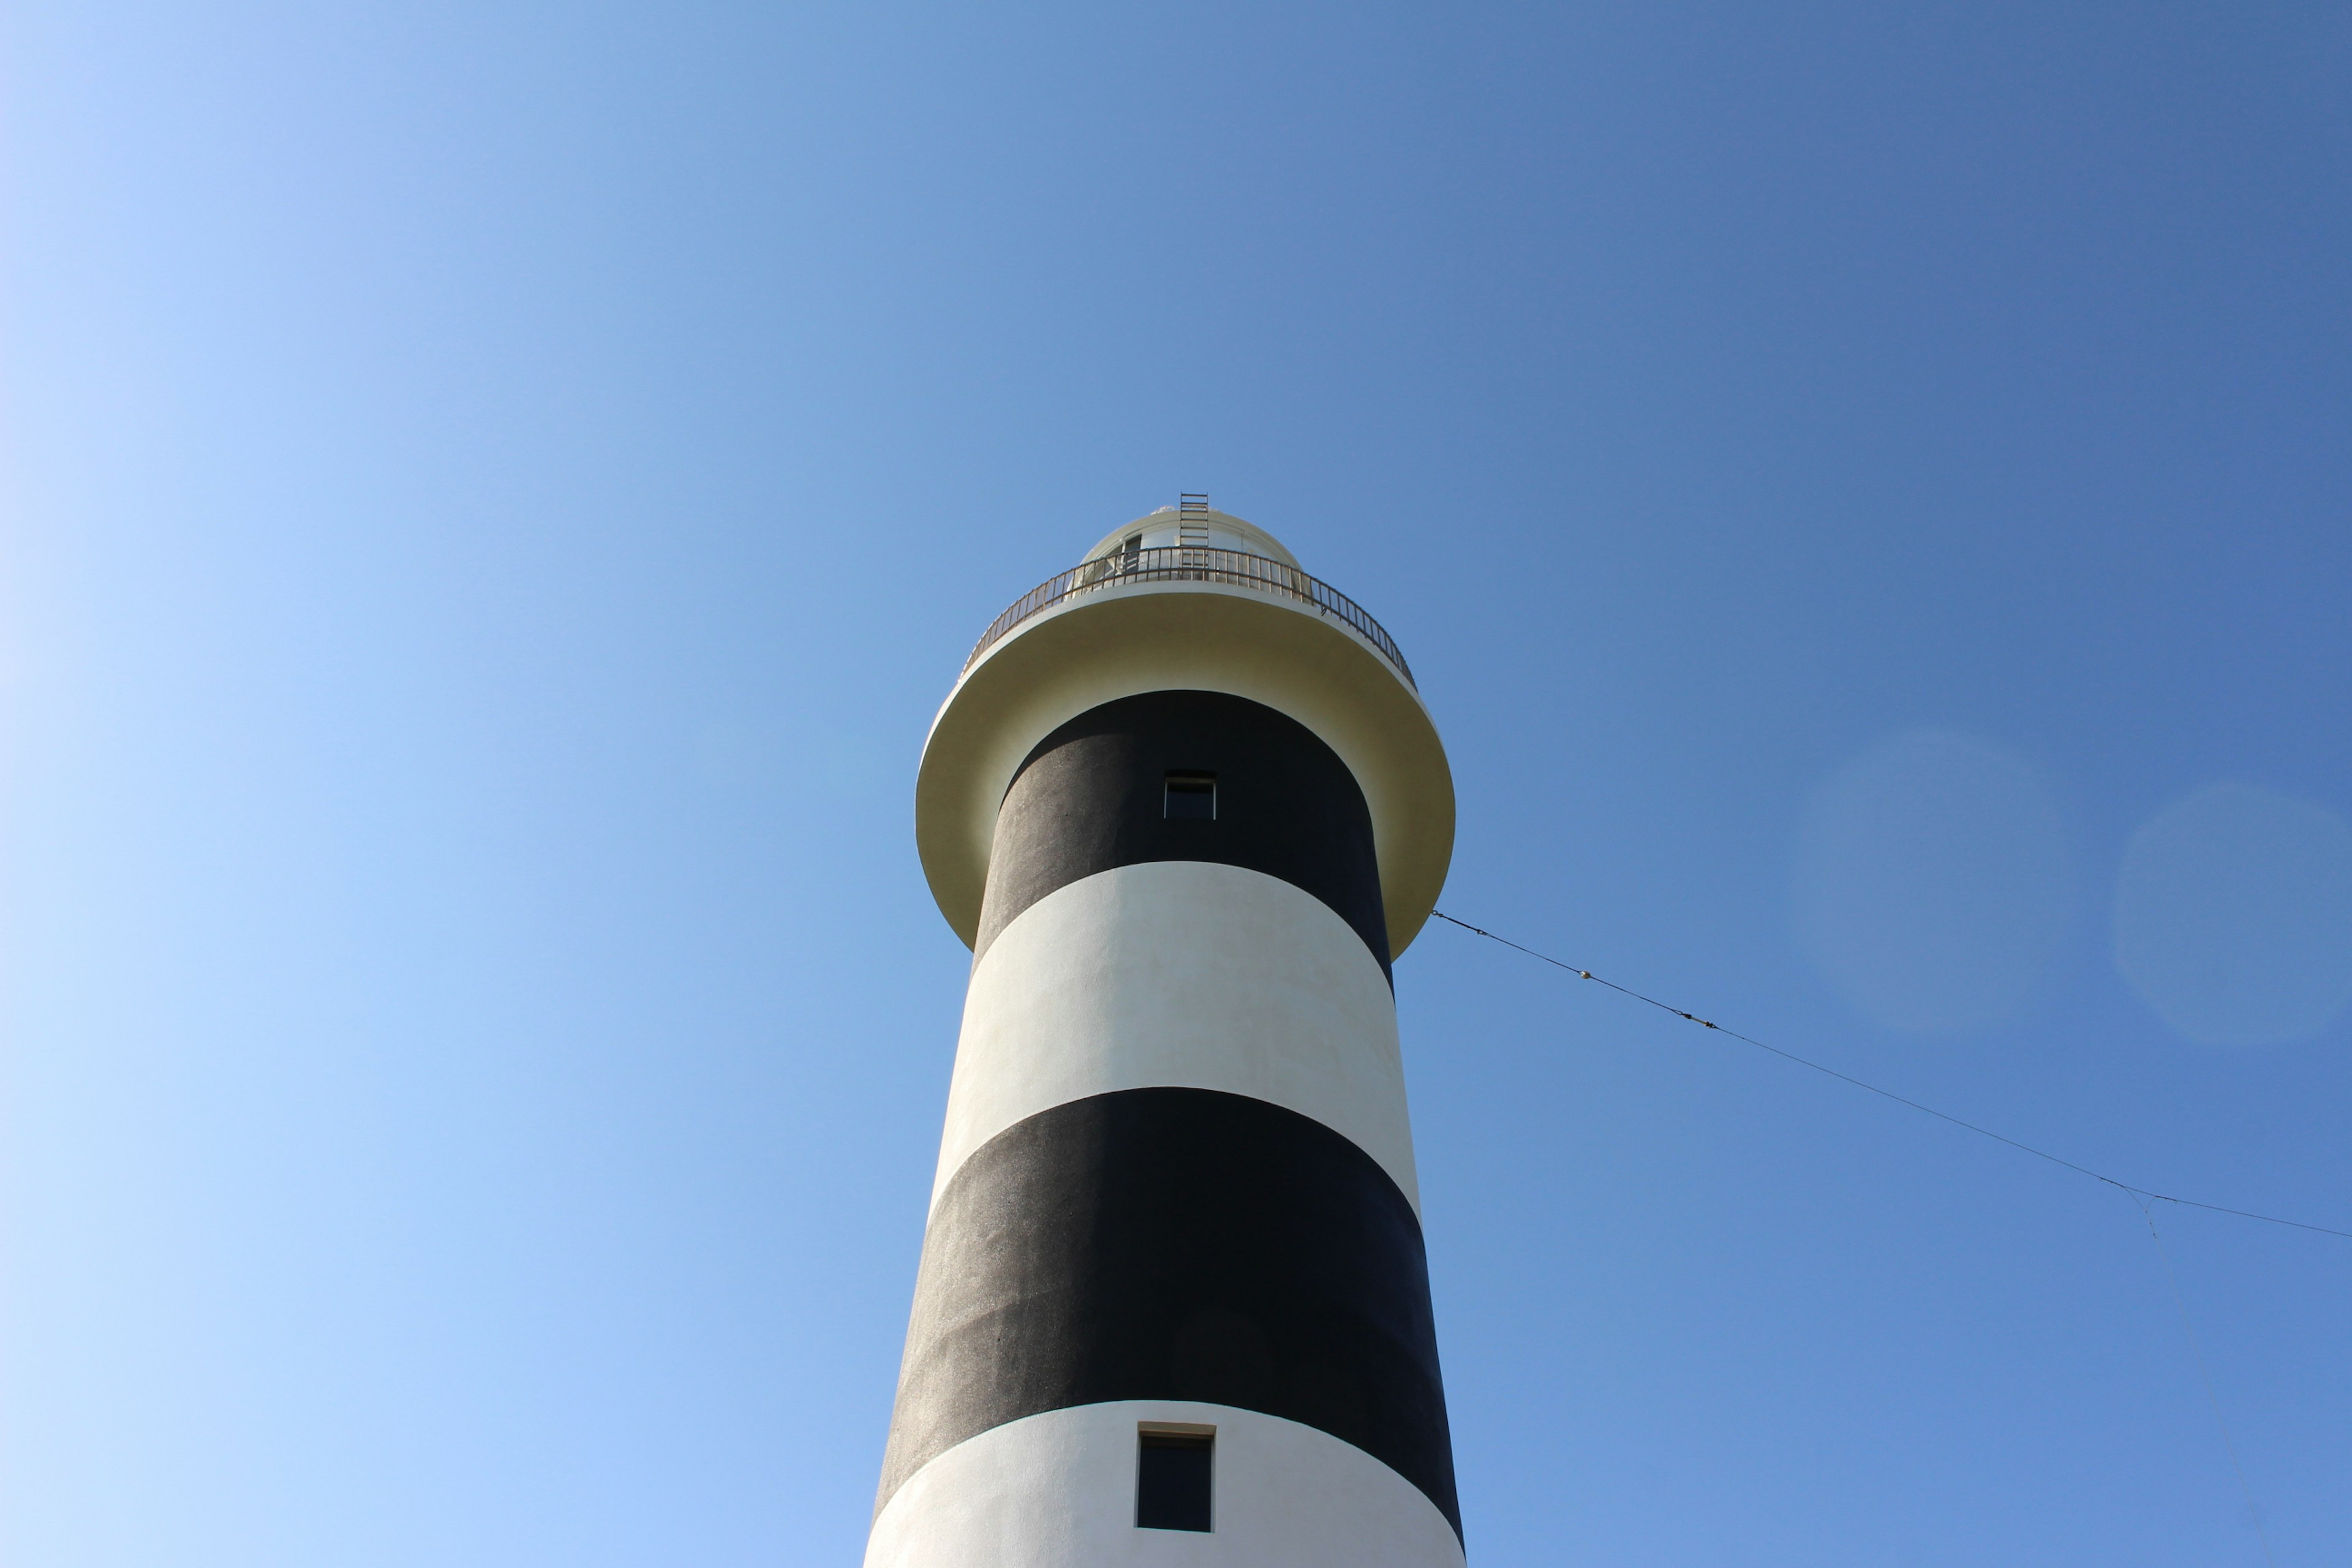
(1185, 805)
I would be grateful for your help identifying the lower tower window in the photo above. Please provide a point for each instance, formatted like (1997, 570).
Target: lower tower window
(1174, 1467)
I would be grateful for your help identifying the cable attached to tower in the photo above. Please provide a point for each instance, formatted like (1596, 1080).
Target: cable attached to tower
(2141, 1196)
(2136, 1193)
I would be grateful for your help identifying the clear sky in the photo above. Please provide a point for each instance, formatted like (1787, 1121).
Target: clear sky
(494, 494)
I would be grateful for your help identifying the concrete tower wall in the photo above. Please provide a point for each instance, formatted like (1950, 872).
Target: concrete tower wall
(1275, 998)
(1057, 1491)
(1176, 1185)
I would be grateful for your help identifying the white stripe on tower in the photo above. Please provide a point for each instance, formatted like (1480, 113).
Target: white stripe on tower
(1189, 973)
(1173, 1304)
(1060, 1489)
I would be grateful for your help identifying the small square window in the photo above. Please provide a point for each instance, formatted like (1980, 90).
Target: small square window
(1191, 797)
(1174, 1471)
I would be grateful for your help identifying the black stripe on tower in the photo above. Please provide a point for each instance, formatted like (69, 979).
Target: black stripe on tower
(1175, 1244)
(1089, 798)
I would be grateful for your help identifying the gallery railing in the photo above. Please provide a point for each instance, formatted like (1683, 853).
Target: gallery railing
(1195, 564)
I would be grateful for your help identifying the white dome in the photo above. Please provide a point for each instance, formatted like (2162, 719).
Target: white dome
(1167, 527)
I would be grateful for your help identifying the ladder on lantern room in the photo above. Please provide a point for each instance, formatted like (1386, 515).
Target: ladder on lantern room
(1192, 524)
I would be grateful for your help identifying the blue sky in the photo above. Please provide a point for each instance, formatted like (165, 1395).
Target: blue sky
(494, 495)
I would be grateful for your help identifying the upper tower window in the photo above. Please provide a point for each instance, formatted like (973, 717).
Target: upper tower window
(1192, 796)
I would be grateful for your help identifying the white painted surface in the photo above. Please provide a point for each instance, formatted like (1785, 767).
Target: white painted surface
(1057, 1491)
(1187, 974)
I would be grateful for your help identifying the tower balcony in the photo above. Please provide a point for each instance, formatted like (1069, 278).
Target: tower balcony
(1187, 598)
(1137, 565)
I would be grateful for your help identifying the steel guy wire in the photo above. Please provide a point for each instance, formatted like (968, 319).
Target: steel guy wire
(2136, 1193)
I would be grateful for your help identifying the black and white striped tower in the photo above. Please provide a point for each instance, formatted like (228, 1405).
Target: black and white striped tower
(1185, 804)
